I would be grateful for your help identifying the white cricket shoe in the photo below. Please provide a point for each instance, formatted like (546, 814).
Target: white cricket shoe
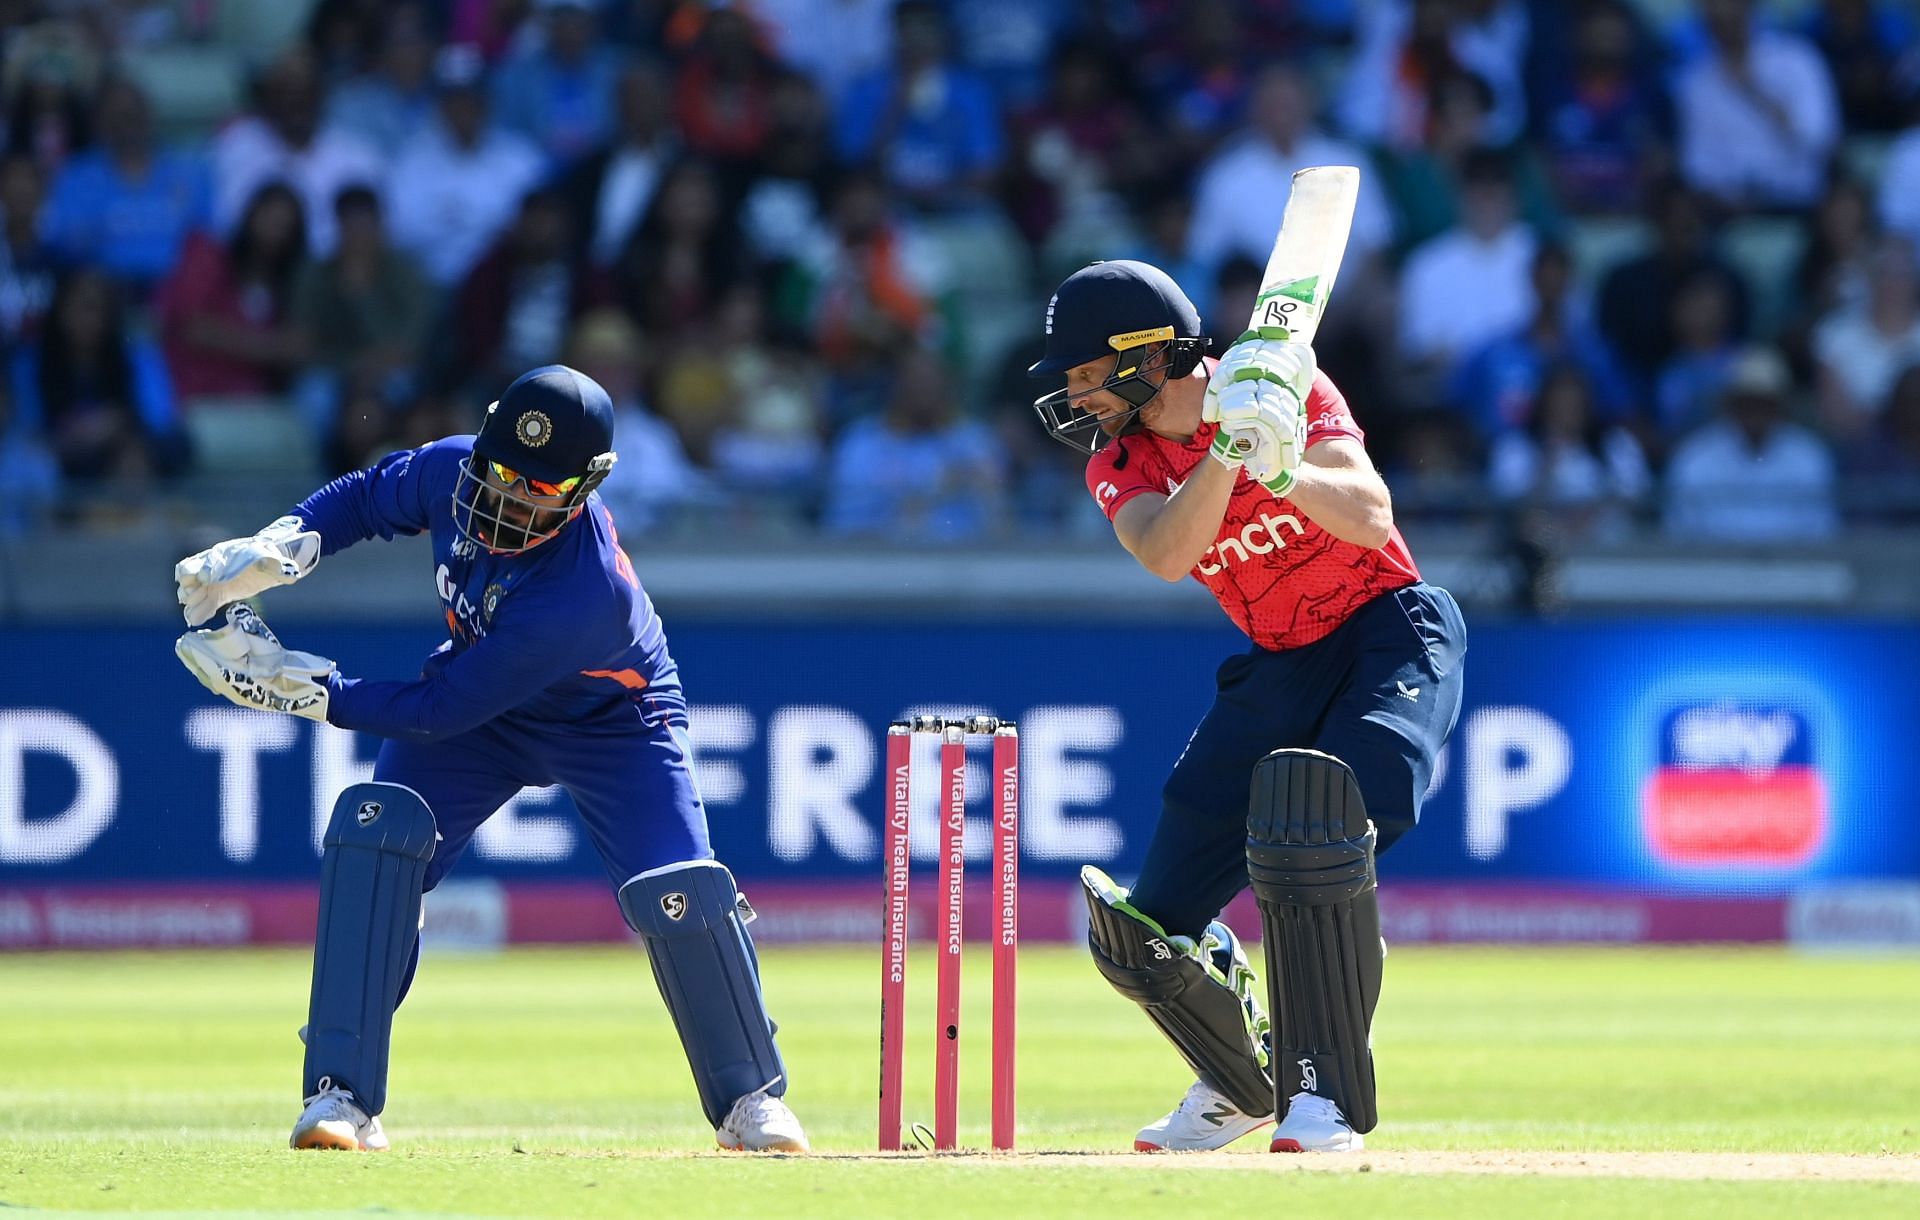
(1202, 1122)
(760, 1122)
(1314, 1124)
(333, 1119)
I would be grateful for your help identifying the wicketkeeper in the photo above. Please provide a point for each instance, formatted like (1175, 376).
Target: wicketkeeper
(1322, 736)
(557, 672)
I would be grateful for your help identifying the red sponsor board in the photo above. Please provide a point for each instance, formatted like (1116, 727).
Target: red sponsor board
(1735, 817)
(791, 913)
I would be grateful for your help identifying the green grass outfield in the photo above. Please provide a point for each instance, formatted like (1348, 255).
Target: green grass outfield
(1534, 1083)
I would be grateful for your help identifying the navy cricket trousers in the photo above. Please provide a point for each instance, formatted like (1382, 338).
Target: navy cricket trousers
(1380, 693)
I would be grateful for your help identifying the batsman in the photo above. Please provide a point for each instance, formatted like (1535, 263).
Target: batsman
(556, 672)
(1250, 475)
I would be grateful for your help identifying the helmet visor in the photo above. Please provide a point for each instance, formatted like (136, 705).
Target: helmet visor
(506, 512)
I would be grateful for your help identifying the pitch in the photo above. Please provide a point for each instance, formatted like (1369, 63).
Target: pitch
(1570, 1082)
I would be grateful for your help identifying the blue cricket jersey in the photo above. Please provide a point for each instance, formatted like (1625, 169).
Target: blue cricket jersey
(561, 634)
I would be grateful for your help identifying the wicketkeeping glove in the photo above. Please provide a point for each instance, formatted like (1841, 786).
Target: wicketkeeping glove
(243, 661)
(237, 569)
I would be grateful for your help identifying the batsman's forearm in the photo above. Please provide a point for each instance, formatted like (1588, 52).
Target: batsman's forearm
(1352, 505)
(1187, 522)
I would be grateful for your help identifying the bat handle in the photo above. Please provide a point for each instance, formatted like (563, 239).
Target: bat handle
(1244, 443)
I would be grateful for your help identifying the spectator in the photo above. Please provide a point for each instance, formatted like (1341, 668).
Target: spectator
(1840, 246)
(1605, 123)
(1500, 385)
(834, 42)
(224, 314)
(26, 265)
(928, 123)
(1166, 214)
(27, 470)
(1406, 46)
(1083, 141)
(1196, 63)
(610, 190)
(284, 142)
(1689, 386)
(97, 390)
(513, 311)
(724, 90)
(917, 472)
(748, 413)
(1899, 203)
(1491, 250)
(1242, 193)
(458, 185)
(50, 71)
(344, 34)
(1756, 113)
(1424, 183)
(1568, 462)
(1883, 467)
(654, 476)
(870, 290)
(1236, 288)
(1636, 295)
(683, 257)
(559, 93)
(1751, 476)
(125, 204)
(1864, 43)
(387, 107)
(365, 311)
(781, 216)
(1862, 349)
(1010, 43)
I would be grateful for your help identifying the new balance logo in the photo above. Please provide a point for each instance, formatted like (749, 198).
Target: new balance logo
(1221, 1115)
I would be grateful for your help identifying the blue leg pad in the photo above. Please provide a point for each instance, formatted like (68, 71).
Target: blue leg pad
(688, 915)
(375, 862)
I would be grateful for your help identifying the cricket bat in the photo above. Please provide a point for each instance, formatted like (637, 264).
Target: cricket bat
(1306, 258)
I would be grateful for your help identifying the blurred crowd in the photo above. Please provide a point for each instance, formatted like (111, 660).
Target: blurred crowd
(1616, 267)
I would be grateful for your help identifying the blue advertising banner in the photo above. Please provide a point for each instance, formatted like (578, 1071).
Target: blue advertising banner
(1686, 757)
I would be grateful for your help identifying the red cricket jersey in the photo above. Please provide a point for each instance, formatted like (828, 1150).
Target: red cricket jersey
(1281, 578)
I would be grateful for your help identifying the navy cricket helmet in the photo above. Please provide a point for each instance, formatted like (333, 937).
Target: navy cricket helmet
(1129, 310)
(540, 452)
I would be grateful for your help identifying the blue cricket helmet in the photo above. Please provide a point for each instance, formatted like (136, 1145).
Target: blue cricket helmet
(550, 424)
(540, 452)
(1121, 309)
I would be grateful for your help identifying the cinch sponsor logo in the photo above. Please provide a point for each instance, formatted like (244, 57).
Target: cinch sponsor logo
(1736, 784)
(1258, 537)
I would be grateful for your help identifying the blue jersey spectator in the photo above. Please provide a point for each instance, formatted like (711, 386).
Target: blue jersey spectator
(561, 95)
(125, 204)
(1499, 385)
(930, 125)
(97, 390)
(917, 472)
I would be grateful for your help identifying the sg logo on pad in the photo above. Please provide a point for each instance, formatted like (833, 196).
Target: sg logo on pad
(369, 813)
(674, 905)
(1736, 784)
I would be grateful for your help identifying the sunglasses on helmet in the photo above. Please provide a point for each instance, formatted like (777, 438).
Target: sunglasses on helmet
(508, 476)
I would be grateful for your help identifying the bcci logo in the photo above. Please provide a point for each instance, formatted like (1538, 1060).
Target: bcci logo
(489, 602)
(674, 906)
(369, 813)
(533, 428)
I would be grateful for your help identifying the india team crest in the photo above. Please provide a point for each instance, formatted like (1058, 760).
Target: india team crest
(489, 602)
(533, 428)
